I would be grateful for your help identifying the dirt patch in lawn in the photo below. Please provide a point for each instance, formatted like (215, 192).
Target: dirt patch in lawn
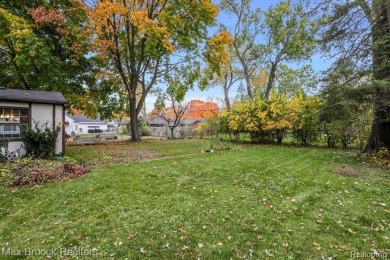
(120, 156)
(132, 156)
(348, 171)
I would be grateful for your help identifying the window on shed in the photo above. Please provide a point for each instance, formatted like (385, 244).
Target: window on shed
(13, 121)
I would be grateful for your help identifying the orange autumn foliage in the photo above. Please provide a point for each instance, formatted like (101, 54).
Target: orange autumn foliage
(196, 109)
(201, 109)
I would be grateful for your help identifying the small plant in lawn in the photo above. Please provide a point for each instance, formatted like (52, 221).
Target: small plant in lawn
(3, 149)
(220, 144)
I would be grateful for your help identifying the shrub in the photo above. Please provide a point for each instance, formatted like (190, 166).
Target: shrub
(305, 127)
(144, 129)
(202, 129)
(268, 121)
(40, 142)
(3, 148)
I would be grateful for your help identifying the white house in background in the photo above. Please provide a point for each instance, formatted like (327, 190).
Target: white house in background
(81, 124)
(23, 108)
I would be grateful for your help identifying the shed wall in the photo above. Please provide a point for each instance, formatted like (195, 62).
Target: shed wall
(40, 114)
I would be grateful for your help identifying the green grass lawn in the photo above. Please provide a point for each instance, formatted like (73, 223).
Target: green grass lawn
(175, 202)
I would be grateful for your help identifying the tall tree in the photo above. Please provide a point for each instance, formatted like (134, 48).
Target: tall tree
(245, 33)
(225, 76)
(290, 32)
(358, 36)
(266, 39)
(43, 47)
(138, 38)
(221, 69)
(292, 81)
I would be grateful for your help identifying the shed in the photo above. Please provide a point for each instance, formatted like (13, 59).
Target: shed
(23, 108)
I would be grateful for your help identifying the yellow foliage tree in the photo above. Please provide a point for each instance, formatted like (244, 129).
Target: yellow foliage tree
(137, 38)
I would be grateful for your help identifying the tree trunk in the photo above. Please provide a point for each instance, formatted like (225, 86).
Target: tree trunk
(172, 129)
(279, 136)
(134, 120)
(248, 83)
(381, 73)
(331, 141)
(227, 100)
(271, 79)
(246, 72)
(374, 138)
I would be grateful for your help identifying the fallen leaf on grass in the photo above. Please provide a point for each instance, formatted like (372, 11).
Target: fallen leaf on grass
(132, 237)
(317, 246)
(342, 247)
(118, 242)
(237, 249)
(269, 252)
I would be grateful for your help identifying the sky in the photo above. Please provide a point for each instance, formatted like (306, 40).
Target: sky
(215, 94)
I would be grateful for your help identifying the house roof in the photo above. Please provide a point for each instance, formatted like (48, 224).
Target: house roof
(32, 96)
(156, 121)
(80, 118)
(191, 121)
(160, 121)
(126, 122)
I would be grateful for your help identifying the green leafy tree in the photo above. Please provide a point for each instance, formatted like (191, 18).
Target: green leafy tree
(291, 82)
(267, 39)
(290, 32)
(358, 36)
(345, 113)
(43, 47)
(245, 32)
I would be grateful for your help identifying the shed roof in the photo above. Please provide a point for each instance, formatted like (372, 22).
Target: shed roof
(32, 96)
